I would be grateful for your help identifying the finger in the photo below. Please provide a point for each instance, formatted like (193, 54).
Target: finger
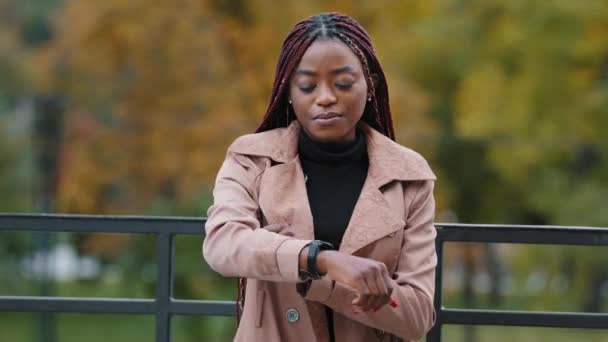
(382, 285)
(364, 296)
(362, 303)
(389, 286)
(388, 281)
(370, 295)
(384, 295)
(382, 282)
(361, 293)
(376, 297)
(375, 293)
(385, 285)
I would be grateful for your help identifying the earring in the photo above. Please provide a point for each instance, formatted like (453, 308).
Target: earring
(289, 101)
(369, 98)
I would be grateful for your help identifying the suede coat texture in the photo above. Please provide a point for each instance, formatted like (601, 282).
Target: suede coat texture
(261, 219)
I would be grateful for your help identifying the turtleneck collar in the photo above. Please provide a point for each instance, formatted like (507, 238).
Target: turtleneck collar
(334, 152)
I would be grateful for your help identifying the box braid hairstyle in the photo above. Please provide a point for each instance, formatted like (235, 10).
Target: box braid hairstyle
(377, 112)
(333, 25)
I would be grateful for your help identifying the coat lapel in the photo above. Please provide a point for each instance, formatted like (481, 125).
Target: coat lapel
(374, 216)
(283, 197)
(372, 219)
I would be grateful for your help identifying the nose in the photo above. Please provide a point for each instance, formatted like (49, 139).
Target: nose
(326, 96)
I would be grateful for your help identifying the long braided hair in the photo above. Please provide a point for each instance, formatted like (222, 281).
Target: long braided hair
(333, 25)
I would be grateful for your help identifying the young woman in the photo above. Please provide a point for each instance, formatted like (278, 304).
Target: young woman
(328, 218)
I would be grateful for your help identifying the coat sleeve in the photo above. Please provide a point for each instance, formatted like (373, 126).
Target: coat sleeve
(413, 281)
(235, 244)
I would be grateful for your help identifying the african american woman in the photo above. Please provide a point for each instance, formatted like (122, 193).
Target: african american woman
(326, 220)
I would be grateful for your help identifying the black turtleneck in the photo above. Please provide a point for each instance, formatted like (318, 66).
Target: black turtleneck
(335, 173)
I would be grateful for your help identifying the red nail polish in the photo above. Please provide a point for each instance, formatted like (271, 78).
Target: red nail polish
(393, 303)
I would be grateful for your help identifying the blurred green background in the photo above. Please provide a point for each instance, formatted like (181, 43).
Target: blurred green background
(127, 107)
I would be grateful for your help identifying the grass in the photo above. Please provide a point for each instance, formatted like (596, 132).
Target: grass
(22, 327)
(523, 334)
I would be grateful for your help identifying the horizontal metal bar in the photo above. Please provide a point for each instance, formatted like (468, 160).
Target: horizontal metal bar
(203, 307)
(195, 226)
(519, 226)
(77, 305)
(525, 318)
(114, 305)
(524, 234)
(101, 223)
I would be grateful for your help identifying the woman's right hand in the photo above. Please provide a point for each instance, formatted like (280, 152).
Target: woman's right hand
(368, 278)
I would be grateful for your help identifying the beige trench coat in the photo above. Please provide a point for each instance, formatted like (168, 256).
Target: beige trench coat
(261, 219)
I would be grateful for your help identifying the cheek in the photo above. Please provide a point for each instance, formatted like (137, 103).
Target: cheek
(359, 99)
(299, 103)
(300, 107)
(358, 103)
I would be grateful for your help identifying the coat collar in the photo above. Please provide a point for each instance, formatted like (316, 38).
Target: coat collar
(283, 198)
(388, 161)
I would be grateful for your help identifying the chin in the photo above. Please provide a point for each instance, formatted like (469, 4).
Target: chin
(329, 135)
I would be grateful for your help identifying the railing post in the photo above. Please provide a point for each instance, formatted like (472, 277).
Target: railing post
(164, 286)
(435, 334)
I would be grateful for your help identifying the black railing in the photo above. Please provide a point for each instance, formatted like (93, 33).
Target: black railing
(552, 235)
(164, 306)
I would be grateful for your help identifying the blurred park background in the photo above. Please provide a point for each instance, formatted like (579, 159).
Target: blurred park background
(127, 107)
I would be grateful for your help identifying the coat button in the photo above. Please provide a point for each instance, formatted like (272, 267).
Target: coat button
(292, 315)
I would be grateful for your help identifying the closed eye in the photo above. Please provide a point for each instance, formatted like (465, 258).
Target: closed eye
(344, 86)
(308, 89)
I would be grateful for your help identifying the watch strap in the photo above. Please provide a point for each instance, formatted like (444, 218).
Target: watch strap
(314, 248)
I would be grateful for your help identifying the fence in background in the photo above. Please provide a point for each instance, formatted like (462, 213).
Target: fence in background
(163, 306)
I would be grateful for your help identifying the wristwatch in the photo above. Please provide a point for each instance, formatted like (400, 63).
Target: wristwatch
(314, 247)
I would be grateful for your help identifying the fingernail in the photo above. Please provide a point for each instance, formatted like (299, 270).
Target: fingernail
(393, 303)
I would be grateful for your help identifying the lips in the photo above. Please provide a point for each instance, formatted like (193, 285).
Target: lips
(327, 116)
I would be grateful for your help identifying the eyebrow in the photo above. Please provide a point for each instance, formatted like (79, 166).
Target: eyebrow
(346, 68)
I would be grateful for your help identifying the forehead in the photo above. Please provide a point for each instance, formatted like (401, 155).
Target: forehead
(327, 55)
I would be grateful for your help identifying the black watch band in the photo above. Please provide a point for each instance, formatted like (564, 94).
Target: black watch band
(314, 248)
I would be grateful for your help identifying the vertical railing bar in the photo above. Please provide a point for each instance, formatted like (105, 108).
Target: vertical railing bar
(164, 278)
(434, 335)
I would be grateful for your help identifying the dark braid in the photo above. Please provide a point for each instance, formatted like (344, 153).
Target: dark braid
(329, 26)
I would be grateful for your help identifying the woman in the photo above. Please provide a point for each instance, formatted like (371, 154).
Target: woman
(328, 218)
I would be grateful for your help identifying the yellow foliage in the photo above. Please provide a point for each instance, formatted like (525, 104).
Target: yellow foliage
(480, 103)
(169, 84)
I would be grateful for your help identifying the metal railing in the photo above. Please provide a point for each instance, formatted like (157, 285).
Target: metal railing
(552, 235)
(163, 306)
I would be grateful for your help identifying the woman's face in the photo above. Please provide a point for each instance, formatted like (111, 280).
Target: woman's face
(328, 91)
